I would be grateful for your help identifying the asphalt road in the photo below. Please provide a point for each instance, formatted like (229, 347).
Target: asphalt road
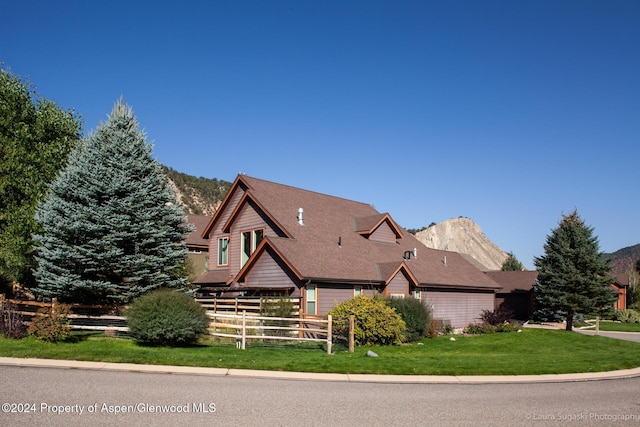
(74, 397)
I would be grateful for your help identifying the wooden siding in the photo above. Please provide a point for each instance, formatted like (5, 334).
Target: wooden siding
(460, 308)
(383, 233)
(398, 285)
(268, 272)
(249, 218)
(328, 297)
(216, 232)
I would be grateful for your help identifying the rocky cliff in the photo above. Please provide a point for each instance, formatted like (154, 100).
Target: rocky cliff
(464, 236)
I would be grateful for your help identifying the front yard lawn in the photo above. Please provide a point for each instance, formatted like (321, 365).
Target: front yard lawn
(533, 351)
(619, 327)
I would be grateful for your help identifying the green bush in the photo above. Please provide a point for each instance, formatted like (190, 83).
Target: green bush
(375, 322)
(415, 315)
(487, 328)
(51, 323)
(627, 316)
(166, 317)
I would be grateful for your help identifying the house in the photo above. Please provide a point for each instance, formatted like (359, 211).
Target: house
(517, 291)
(197, 246)
(273, 239)
(620, 287)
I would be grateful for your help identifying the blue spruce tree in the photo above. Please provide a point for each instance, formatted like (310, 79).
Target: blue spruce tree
(112, 227)
(573, 275)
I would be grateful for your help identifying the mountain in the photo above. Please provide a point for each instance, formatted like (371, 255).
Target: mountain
(624, 258)
(464, 236)
(201, 196)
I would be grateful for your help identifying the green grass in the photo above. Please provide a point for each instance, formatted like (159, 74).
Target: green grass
(532, 351)
(619, 327)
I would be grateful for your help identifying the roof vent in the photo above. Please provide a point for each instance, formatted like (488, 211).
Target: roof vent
(300, 212)
(407, 254)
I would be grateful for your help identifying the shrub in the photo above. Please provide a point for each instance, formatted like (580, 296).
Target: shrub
(415, 315)
(479, 328)
(51, 323)
(375, 322)
(487, 328)
(166, 317)
(434, 329)
(277, 307)
(627, 316)
(11, 324)
(499, 316)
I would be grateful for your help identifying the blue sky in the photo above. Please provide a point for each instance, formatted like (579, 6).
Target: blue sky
(508, 112)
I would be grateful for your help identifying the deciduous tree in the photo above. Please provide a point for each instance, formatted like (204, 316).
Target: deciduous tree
(36, 137)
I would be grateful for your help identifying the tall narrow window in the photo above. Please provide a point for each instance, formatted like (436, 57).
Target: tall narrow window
(357, 291)
(249, 241)
(417, 294)
(223, 251)
(311, 299)
(246, 247)
(257, 238)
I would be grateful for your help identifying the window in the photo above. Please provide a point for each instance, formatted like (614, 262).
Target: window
(417, 294)
(249, 241)
(357, 291)
(311, 299)
(400, 296)
(223, 251)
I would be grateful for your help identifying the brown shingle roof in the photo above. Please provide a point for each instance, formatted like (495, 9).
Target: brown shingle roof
(195, 239)
(514, 281)
(314, 248)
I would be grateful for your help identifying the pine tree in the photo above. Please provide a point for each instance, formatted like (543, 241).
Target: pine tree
(512, 263)
(572, 274)
(112, 227)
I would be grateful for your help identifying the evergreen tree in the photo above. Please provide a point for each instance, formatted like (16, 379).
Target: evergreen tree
(512, 263)
(36, 137)
(112, 227)
(572, 274)
(633, 291)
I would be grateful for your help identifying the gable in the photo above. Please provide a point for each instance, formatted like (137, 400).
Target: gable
(379, 228)
(397, 285)
(228, 206)
(249, 213)
(269, 271)
(383, 233)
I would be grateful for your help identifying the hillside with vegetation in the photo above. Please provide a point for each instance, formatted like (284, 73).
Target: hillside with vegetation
(624, 258)
(198, 195)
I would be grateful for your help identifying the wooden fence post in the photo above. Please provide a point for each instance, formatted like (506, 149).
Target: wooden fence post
(329, 337)
(352, 326)
(244, 328)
